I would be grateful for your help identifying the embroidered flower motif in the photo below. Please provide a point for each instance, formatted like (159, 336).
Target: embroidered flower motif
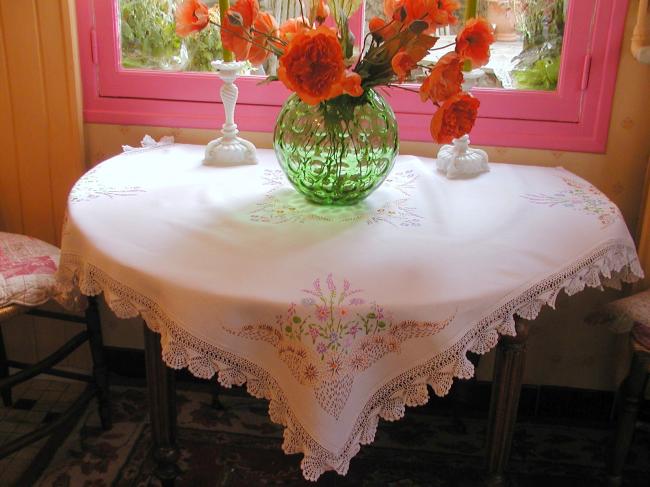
(334, 365)
(333, 334)
(359, 361)
(313, 331)
(330, 283)
(580, 196)
(310, 374)
(277, 209)
(322, 313)
(91, 187)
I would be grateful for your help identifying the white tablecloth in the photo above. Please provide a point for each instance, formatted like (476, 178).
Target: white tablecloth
(338, 316)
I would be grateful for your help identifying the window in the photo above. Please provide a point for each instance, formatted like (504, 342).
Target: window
(549, 83)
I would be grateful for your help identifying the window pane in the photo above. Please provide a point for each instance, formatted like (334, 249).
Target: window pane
(149, 41)
(526, 53)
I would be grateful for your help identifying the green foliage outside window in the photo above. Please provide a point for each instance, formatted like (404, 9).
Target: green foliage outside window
(149, 40)
(542, 24)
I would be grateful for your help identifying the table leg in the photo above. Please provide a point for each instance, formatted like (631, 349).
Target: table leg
(506, 386)
(162, 409)
(628, 408)
(100, 371)
(4, 373)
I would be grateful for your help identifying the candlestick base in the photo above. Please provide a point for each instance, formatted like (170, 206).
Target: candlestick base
(229, 149)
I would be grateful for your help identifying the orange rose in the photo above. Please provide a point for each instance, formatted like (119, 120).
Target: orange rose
(402, 64)
(454, 118)
(235, 35)
(445, 79)
(312, 65)
(291, 27)
(264, 26)
(191, 16)
(474, 41)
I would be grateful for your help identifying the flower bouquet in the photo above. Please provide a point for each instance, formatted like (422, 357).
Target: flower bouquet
(336, 138)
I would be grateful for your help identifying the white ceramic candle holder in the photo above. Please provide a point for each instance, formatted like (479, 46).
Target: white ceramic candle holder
(229, 149)
(458, 161)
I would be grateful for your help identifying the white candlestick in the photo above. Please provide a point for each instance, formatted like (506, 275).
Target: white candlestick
(229, 149)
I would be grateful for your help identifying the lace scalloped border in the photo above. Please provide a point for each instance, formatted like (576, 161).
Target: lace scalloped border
(615, 262)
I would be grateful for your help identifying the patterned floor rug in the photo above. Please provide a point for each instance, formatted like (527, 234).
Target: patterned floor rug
(239, 446)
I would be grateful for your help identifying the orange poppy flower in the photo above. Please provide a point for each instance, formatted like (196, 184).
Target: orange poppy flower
(445, 79)
(291, 27)
(436, 13)
(445, 14)
(264, 27)
(474, 41)
(391, 9)
(351, 84)
(322, 11)
(382, 29)
(402, 65)
(312, 65)
(191, 16)
(408, 58)
(455, 118)
(235, 34)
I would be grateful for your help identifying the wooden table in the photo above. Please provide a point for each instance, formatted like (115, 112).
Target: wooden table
(337, 316)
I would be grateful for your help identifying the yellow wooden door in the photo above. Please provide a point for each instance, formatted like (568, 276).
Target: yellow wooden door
(41, 147)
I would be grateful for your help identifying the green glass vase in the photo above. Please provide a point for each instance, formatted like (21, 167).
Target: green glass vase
(339, 151)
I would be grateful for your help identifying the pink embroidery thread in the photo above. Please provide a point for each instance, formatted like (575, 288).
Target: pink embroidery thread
(334, 335)
(582, 197)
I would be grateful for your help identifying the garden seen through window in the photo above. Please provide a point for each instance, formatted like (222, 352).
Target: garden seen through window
(526, 54)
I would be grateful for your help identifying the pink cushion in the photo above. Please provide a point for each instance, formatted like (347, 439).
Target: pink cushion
(27, 268)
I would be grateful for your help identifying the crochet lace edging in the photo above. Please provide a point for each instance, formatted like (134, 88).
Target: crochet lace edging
(609, 265)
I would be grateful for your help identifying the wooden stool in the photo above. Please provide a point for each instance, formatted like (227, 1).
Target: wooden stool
(632, 391)
(27, 269)
(631, 311)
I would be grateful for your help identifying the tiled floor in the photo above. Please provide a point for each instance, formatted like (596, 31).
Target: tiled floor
(35, 402)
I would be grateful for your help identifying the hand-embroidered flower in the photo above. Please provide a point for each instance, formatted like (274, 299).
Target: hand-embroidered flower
(276, 209)
(580, 196)
(313, 331)
(334, 334)
(322, 313)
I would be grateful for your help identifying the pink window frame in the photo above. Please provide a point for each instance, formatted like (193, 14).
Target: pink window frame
(575, 117)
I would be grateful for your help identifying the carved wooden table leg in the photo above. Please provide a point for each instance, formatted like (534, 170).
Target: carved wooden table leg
(506, 386)
(162, 409)
(4, 372)
(100, 371)
(631, 396)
